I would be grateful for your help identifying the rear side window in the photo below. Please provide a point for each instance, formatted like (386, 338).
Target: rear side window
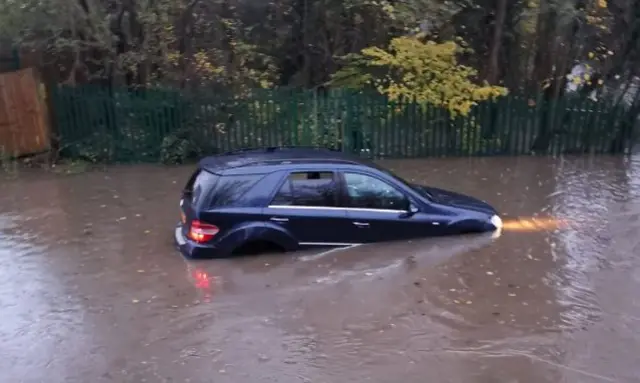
(230, 189)
(198, 184)
(317, 189)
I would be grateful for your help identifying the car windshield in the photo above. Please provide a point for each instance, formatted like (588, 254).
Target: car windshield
(419, 189)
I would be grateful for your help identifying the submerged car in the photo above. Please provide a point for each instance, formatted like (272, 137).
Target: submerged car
(287, 198)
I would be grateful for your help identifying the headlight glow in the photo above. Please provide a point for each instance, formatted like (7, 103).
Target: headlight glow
(496, 222)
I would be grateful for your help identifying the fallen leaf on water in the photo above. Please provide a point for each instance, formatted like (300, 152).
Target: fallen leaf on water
(147, 231)
(141, 271)
(368, 274)
(135, 301)
(512, 294)
(489, 272)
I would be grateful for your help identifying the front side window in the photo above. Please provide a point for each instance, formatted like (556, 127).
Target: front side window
(315, 189)
(368, 192)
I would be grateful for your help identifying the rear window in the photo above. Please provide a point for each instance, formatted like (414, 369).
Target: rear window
(230, 189)
(199, 182)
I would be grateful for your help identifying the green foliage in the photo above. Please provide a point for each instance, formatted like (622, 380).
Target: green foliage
(179, 148)
(428, 73)
(8, 164)
(98, 147)
(141, 42)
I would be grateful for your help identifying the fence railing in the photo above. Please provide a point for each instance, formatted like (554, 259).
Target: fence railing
(163, 124)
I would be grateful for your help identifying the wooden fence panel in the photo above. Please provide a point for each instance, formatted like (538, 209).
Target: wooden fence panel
(23, 117)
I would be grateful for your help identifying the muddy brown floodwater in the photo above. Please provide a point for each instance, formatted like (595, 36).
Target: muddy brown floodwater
(92, 290)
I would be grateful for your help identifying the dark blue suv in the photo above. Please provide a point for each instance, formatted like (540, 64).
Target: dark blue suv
(288, 198)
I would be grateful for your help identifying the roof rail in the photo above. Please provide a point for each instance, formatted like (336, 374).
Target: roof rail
(269, 149)
(298, 160)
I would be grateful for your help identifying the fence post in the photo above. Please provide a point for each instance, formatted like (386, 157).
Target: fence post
(15, 55)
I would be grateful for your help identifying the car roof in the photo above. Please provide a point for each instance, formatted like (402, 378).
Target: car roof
(258, 160)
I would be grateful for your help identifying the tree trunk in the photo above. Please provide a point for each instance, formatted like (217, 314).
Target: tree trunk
(494, 52)
(543, 65)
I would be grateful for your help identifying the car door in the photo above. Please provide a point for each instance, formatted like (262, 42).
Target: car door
(381, 212)
(306, 205)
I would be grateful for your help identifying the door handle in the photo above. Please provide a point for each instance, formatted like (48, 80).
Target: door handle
(361, 224)
(276, 219)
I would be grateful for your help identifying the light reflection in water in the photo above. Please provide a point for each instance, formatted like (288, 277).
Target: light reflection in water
(533, 224)
(202, 281)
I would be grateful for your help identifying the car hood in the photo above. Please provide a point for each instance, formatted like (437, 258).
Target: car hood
(446, 197)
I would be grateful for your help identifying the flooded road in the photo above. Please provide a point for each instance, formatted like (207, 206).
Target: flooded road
(92, 290)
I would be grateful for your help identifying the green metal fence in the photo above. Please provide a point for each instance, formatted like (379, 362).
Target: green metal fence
(166, 124)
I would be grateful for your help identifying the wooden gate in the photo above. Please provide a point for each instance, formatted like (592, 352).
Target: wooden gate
(23, 118)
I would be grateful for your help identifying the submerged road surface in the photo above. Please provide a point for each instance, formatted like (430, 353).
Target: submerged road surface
(91, 289)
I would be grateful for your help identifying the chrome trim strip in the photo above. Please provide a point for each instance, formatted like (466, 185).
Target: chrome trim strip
(328, 244)
(334, 208)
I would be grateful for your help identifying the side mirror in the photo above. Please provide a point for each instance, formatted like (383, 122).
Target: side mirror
(411, 211)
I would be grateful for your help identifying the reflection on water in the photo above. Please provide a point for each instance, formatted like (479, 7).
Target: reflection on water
(88, 260)
(523, 224)
(203, 282)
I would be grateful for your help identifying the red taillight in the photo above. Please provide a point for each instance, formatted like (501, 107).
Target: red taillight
(202, 232)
